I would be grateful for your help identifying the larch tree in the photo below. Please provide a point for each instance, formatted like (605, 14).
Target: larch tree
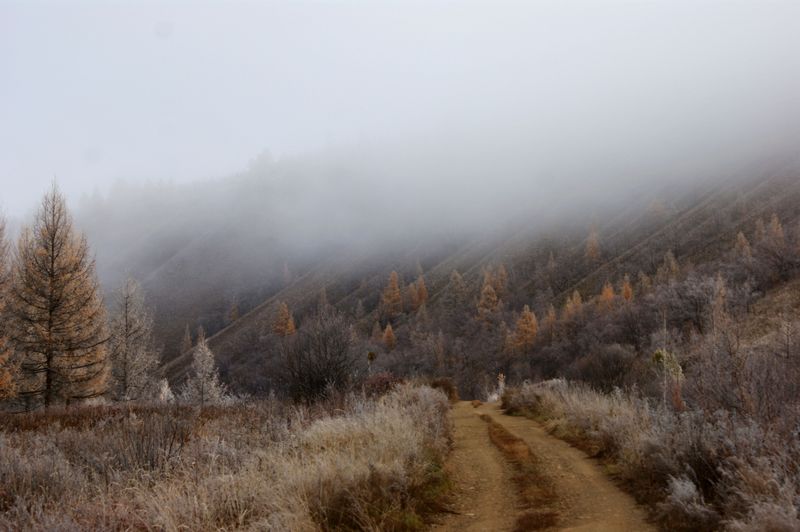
(412, 297)
(389, 339)
(8, 384)
(488, 302)
(422, 291)
(572, 307)
(203, 386)
(186, 342)
(626, 290)
(606, 299)
(359, 311)
(525, 330)
(392, 300)
(283, 325)
(59, 322)
(760, 231)
(593, 245)
(742, 247)
(645, 283)
(669, 269)
(134, 358)
(500, 280)
(377, 333)
(454, 300)
(776, 235)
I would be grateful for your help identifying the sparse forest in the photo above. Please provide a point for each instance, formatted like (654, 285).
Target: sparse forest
(400, 266)
(647, 333)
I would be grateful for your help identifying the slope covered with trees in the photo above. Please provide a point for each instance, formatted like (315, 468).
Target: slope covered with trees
(654, 254)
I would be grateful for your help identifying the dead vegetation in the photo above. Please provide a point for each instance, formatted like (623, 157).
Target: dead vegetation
(534, 488)
(349, 464)
(696, 470)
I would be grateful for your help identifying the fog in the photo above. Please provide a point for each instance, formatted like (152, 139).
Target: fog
(459, 112)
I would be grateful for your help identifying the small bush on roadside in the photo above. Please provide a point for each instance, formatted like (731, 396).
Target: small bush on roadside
(447, 386)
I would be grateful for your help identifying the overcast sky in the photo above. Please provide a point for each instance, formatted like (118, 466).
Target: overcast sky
(91, 93)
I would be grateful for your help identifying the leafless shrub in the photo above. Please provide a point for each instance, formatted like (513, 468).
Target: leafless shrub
(319, 356)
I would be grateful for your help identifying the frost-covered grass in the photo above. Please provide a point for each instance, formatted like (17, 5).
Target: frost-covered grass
(698, 471)
(355, 464)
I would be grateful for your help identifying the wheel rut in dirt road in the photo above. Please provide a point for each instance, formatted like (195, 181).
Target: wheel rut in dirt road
(484, 497)
(491, 493)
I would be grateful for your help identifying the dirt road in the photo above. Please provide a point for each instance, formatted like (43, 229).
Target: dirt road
(485, 496)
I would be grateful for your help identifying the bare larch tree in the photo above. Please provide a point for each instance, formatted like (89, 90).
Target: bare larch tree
(134, 358)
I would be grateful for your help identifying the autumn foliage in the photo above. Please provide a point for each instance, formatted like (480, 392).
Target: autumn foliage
(525, 330)
(58, 317)
(389, 339)
(392, 299)
(283, 325)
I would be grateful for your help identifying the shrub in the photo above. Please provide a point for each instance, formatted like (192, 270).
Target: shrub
(381, 383)
(319, 357)
(447, 386)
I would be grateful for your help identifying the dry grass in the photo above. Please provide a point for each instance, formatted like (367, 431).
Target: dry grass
(354, 464)
(697, 471)
(535, 490)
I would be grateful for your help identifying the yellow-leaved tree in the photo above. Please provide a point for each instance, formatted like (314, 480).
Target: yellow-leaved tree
(392, 300)
(389, 339)
(606, 299)
(488, 302)
(525, 330)
(627, 289)
(57, 313)
(283, 325)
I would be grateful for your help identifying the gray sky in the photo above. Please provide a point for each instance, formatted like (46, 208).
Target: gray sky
(91, 93)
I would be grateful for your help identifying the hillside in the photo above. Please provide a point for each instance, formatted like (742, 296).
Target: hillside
(698, 227)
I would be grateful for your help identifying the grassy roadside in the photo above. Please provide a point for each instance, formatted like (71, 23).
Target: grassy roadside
(362, 464)
(696, 471)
